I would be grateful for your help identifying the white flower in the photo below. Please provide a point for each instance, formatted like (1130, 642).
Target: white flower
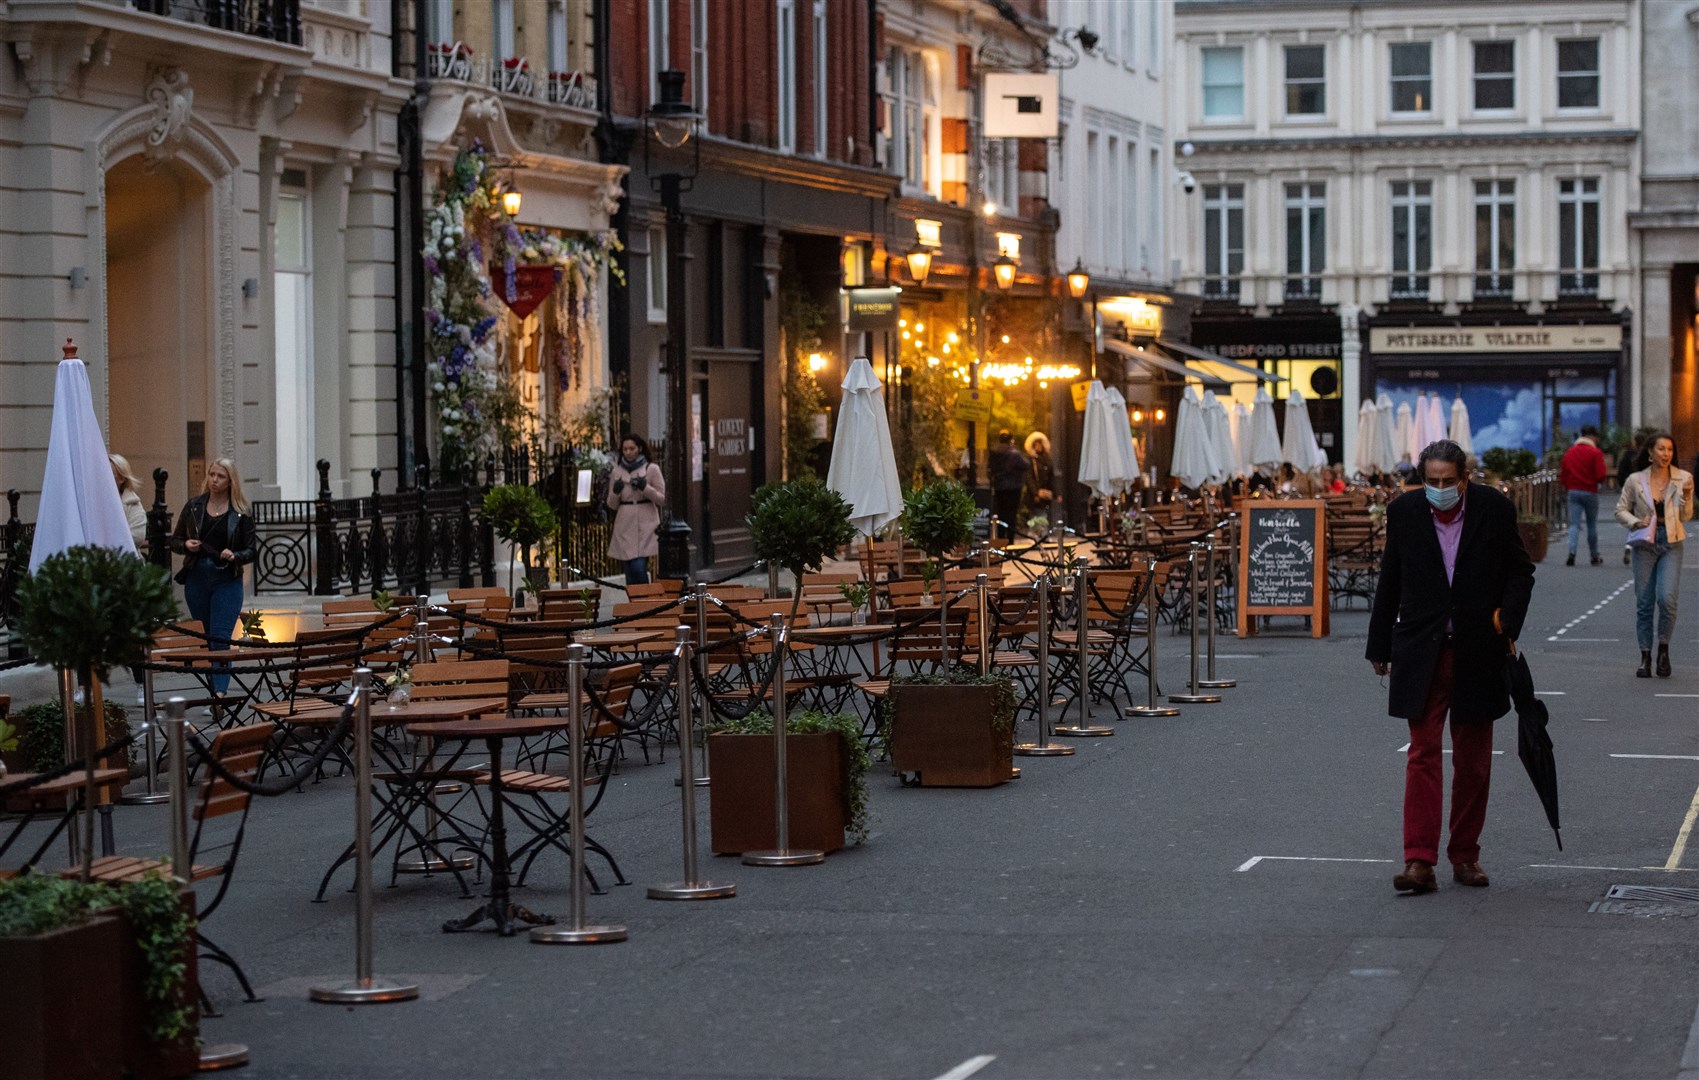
(439, 386)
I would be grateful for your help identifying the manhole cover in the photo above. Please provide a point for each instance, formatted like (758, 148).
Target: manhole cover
(1644, 908)
(1656, 893)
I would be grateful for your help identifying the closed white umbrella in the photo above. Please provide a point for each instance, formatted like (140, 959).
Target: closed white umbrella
(1406, 440)
(1298, 443)
(1191, 464)
(1321, 455)
(1460, 433)
(1418, 424)
(1364, 462)
(1386, 434)
(1241, 418)
(864, 467)
(1436, 420)
(1099, 453)
(79, 499)
(1220, 438)
(1122, 427)
(1265, 438)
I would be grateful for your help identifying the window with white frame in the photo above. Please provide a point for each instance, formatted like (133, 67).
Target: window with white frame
(1150, 253)
(820, 78)
(1001, 181)
(1223, 239)
(1130, 204)
(784, 73)
(1224, 83)
(1129, 36)
(659, 38)
(1578, 237)
(1578, 73)
(913, 113)
(1306, 239)
(557, 36)
(1094, 185)
(292, 291)
(1111, 210)
(1411, 65)
(503, 17)
(1495, 238)
(1153, 38)
(1495, 75)
(439, 20)
(1412, 237)
(657, 274)
(1306, 80)
(699, 55)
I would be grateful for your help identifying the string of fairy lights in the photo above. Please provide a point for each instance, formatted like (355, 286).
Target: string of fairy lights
(947, 350)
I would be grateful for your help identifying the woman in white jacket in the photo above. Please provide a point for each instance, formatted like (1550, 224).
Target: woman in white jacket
(1658, 497)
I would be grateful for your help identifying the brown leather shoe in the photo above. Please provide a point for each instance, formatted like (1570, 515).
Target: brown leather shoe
(1418, 877)
(1469, 873)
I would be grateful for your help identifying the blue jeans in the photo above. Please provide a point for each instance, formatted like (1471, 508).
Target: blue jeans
(1657, 583)
(215, 600)
(637, 571)
(1584, 503)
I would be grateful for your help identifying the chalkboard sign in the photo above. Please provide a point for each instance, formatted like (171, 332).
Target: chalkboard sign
(1283, 562)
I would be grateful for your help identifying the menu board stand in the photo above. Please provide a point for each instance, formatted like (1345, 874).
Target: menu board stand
(1283, 562)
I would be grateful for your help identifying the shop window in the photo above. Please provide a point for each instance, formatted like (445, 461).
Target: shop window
(1224, 83)
(1578, 74)
(1223, 239)
(1412, 238)
(1306, 240)
(1412, 77)
(1495, 76)
(1578, 237)
(1306, 80)
(1495, 238)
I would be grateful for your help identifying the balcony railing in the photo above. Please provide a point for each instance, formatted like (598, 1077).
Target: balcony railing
(275, 20)
(1577, 284)
(1303, 289)
(512, 75)
(1409, 287)
(1494, 286)
(1221, 288)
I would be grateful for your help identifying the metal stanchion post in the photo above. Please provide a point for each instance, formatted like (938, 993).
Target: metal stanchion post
(150, 747)
(365, 988)
(943, 622)
(177, 768)
(1043, 747)
(578, 933)
(781, 855)
(1211, 681)
(68, 705)
(1082, 593)
(701, 640)
(1194, 696)
(1151, 708)
(429, 860)
(984, 639)
(689, 888)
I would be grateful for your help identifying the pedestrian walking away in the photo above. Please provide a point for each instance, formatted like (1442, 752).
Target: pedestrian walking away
(1455, 582)
(1582, 471)
(636, 492)
(1043, 472)
(215, 536)
(135, 515)
(1009, 474)
(1654, 506)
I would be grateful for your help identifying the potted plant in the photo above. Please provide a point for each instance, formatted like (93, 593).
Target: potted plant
(797, 525)
(399, 683)
(85, 610)
(382, 600)
(253, 624)
(1535, 535)
(856, 594)
(951, 730)
(41, 739)
(938, 517)
(10, 758)
(524, 519)
(827, 764)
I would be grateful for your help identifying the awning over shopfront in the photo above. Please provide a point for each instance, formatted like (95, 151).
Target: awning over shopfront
(1192, 352)
(1155, 359)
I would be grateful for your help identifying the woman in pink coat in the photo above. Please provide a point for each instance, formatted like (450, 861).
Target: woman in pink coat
(635, 494)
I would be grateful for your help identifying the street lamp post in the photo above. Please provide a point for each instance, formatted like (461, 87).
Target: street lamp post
(670, 124)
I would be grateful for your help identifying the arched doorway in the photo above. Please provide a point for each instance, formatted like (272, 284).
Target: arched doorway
(160, 401)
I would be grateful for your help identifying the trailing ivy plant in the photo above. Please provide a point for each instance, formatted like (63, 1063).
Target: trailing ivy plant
(1002, 713)
(41, 734)
(797, 525)
(815, 722)
(36, 904)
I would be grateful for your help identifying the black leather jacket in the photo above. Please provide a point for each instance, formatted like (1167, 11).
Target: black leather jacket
(237, 535)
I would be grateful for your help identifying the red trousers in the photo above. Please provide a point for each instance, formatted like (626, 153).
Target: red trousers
(1471, 774)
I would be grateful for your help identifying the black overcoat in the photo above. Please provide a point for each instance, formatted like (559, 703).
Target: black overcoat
(1413, 602)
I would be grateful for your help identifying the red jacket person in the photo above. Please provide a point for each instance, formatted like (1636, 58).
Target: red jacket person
(1454, 587)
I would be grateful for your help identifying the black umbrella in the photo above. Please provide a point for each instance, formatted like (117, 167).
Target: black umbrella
(1533, 744)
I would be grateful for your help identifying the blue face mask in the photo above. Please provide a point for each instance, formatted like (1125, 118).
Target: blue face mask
(1443, 499)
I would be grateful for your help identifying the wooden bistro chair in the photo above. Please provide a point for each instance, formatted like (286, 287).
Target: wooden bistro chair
(239, 751)
(657, 591)
(323, 671)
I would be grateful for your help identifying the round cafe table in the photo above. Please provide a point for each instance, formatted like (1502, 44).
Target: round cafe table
(499, 907)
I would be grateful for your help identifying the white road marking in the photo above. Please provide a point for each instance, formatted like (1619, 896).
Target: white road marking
(1676, 695)
(1674, 862)
(1551, 693)
(1589, 639)
(1623, 869)
(1594, 610)
(1253, 860)
(969, 1067)
(1594, 720)
(1660, 757)
(1405, 749)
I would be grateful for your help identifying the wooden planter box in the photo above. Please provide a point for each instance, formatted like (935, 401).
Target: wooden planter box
(1534, 538)
(146, 1059)
(944, 735)
(741, 792)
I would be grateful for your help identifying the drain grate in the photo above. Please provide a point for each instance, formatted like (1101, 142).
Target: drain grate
(1648, 901)
(1655, 893)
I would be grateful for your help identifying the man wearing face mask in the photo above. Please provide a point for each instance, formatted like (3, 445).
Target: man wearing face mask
(1454, 587)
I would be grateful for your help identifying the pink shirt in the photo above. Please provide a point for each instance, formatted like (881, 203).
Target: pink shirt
(1450, 536)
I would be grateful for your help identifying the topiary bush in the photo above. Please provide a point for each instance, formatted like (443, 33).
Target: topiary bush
(797, 525)
(938, 517)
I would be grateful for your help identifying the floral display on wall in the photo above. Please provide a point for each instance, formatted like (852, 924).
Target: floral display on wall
(482, 270)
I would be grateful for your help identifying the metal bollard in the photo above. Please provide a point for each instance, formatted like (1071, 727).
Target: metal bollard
(781, 855)
(1150, 708)
(980, 583)
(701, 640)
(150, 747)
(578, 933)
(689, 888)
(1043, 747)
(365, 987)
(1212, 681)
(177, 768)
(1194, 696)
(1082, 593)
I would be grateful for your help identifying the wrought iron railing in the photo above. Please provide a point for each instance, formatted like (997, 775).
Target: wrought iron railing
(278, 20)
(16, 537)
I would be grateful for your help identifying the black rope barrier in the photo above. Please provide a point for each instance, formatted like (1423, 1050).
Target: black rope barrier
(521, 628)
(283, 784)
(213, 665)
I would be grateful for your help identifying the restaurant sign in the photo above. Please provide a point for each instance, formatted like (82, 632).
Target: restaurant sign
(1406, 340)
(871, 309)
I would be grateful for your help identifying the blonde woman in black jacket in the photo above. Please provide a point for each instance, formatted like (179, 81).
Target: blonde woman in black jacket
(215, 535)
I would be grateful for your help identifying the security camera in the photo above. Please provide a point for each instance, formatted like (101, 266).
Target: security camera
(1186, 181)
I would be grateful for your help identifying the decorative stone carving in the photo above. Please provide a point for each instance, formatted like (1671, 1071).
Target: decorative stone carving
(172, 98)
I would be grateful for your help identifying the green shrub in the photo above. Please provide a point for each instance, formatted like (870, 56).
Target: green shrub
(88, 609)
(939, 516)
(42, 738)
